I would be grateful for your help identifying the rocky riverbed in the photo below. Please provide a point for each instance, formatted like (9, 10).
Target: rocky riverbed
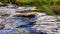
(40, 23)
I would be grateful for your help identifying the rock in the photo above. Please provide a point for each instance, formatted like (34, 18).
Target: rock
(11, 6)
(1, 19)
(26, 8)
(2, 26)
(15, 33)
(42, 32)
(47, 18)
(41, 14)
(47, 23)
(10, 23)
(41, 22)
(31, 15)
(7, 11)
(6, 15)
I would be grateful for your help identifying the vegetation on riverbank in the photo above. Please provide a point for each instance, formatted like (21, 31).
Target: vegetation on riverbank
(49, 6)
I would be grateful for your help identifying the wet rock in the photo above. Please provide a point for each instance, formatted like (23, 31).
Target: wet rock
(54, 29)
(47, 23)
(41, 21)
